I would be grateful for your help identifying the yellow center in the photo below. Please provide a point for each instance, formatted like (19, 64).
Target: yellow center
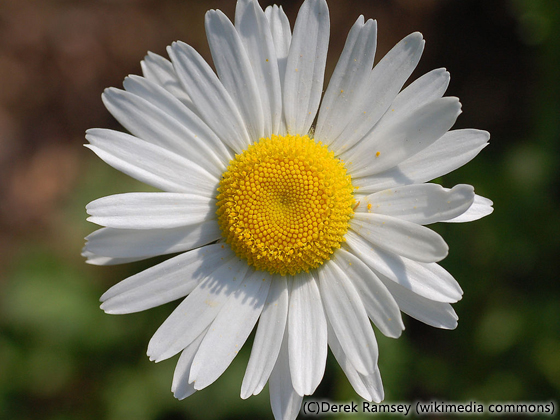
(284, 204)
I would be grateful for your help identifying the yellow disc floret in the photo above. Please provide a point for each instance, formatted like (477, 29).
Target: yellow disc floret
(284, 204)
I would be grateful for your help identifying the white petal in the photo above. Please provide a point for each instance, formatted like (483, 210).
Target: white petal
(230, 329)
(400, 237)
(351, 373)
(378, 302)
(420, 203)
(254, 31)
(369, 387)
(347, 315)
(480, 208)
(132, 243)
(446, 154)
(159, 70)
(390, 143)
(284, 400)
(429, 280)
(197, 311)
(375, 386)
(94, 259)
(268, 338)
(151, 164)
(145, 120)
(307, 334)
(214, 103)
(235, 72)
(305, 69)
(346, 84)
(181, 387)
(281, 35)
(428, 88)
(164, 282)
(384, 83)
(151, 210)
(282, 38)
(193, 129)
(436, 314)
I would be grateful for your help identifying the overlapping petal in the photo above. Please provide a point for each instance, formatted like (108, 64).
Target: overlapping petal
(145, 243)
(254, 31)
(150, 163)
(158, 126)
(400, 237)
(346, 84)
(420, 203)
(193, 130)
(235, 71)
(436, 314)
(181, 387)
(197, 311)
(159, 70)
(428, 280)
(378, 92)
(95, 259)
(307, 334)
(281, 36)
(348, 318)
(425, 89)
(305, 68)
(451, 151)
(151, 210)
(284, 399)
(164, 282)
(268, 338)
(379, 304)
(393, 140)
(215, 105)
(230, 329)
(481, 207)
(369, 387)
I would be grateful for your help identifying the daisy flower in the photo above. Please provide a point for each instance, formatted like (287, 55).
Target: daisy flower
(297, 214)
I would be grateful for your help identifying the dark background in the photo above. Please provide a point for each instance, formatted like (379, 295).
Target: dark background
(62, 358)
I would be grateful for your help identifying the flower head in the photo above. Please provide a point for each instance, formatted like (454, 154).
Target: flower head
(285, 204)
(313, 230)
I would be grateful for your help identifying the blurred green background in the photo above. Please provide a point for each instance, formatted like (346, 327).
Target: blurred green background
(62, 358)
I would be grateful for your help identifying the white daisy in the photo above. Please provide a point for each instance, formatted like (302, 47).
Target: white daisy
(313, 230)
